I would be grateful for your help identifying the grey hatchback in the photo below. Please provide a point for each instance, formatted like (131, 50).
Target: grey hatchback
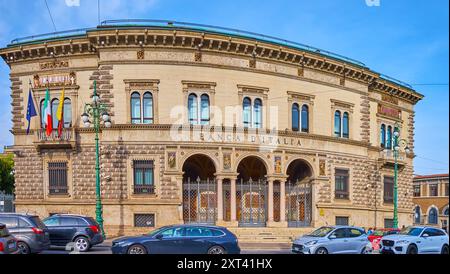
(31, 234)
(8, 244)
(333, 240)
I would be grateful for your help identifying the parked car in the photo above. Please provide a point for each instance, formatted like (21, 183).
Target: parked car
(416, 240)
(333, 240)
(83, 231)
(377, 234)
(181, 239)
(31, 234)
(8, 244)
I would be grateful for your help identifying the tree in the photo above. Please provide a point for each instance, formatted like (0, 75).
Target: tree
(7, 173)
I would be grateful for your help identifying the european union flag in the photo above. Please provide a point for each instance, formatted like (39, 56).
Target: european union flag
(31, 110)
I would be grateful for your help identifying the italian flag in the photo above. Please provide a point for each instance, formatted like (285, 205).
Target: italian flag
(48, 114)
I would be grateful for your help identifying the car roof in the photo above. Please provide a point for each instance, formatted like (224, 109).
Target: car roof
(198, 225)
(69, 215)
(17, 214)
(344, 226)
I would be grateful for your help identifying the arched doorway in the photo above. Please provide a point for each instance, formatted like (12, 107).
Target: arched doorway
(199, 190)
(251, 192)
(299, 194)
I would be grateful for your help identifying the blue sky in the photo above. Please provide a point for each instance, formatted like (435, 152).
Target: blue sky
(405, 39)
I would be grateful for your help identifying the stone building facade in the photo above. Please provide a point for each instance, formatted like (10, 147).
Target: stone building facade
(431, 200)
(209, 127)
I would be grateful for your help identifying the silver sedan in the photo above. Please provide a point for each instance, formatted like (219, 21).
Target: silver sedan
(333, 240)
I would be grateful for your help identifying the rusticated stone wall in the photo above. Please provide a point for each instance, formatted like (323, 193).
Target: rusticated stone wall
(29, 175)
(83, 166)
(411, 130)
(365, 118)
(104, 78)
(17, 103)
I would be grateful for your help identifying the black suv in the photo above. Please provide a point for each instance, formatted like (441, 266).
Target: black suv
(31, 234)
(83, 231)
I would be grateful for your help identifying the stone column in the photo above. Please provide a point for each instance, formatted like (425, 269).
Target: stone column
(219, 200)
(233, 199)
(270, 202)
(282, 201)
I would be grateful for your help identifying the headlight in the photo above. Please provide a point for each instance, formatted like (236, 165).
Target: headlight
(311, 243)
(402, 242)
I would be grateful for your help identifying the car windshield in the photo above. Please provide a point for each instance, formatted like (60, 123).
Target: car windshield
(3, 232)
(411, 231)
(154, 232)
(321, 232)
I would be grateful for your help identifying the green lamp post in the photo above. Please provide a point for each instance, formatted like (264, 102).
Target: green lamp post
(398, 145)
(98, 112)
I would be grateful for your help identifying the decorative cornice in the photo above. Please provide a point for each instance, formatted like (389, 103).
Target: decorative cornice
(139, 38)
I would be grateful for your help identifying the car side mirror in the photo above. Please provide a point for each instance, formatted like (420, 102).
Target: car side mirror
(332, 236)
(159, 236)
(425, 235)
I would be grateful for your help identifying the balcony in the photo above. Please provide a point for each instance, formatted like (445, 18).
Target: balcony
(386, 158)
(65, 141)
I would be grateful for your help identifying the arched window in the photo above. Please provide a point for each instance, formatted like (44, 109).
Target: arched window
(67, 113)
(205, 111)
(445, 211)
(345, 125)
(337, 124)
(258, 113)
(432, 216)
(135, 108)
(55, 104)
(305, 118)
(247, 111)
(417, 215)
(148, 108)
(193, 109)
(389, 138)
(295, 117)
(43, 118)
(383, 136)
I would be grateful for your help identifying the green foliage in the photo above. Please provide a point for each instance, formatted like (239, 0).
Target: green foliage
(6, 174)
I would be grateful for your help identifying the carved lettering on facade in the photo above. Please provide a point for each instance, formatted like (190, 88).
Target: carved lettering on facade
(54, 80)
(389, 111)
(54, 65)
(389, 99)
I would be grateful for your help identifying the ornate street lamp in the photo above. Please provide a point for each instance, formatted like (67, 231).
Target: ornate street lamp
(98, 112)
(399, 144)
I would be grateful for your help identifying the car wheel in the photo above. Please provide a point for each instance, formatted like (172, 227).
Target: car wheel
(137, 250)
(217, 250)
(23, 248)
(365, 251)
(412, 249)
(322, 250)
(82, 244)
(444, 249)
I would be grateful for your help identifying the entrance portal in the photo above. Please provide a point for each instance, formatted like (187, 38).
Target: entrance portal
(199, 190)
(299, 194)
(251, 193)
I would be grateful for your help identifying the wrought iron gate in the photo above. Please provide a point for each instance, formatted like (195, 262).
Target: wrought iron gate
(251, 199)
(298, 204)
(200, 201)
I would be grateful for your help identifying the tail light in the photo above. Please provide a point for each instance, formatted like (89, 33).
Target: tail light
(2, 248)
(94, 229)
(37, 230)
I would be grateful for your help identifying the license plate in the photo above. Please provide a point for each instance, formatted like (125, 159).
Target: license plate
(296, 249)
(12, 246)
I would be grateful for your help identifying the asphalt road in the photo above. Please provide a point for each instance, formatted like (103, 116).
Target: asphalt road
(105, 249)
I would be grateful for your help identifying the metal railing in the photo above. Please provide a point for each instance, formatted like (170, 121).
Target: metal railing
(6, 202)
(389, 155)
(144, 189)
(66, 135)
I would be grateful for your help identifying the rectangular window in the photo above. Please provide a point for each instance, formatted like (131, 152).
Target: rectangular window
(388, 223)
(143, 177)
(57, 178)
(341, 184)
(434, 190)
(388, 190)
(341, 220)
(417, 191)
(144, 220)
